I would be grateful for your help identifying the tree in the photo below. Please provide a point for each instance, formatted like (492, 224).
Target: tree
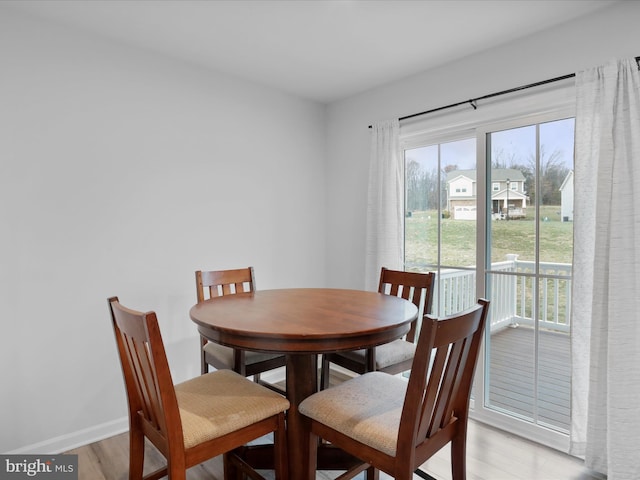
(421, 187)
(413, 175)
(500, 159)
(552, 172)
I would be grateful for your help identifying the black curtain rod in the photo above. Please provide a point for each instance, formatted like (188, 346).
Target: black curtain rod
(491, 95)
(473, 101)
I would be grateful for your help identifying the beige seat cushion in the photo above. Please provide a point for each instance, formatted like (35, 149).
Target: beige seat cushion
(387, 354)
(225, 354)
(366, 408)
(220, 402)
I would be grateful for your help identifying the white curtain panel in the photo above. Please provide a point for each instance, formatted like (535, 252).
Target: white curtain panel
(384, 244)
(606, 277)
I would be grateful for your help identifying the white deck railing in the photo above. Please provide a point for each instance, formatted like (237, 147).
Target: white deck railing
(512, 285)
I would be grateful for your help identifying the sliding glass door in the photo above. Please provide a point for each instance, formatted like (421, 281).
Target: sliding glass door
(491, 212)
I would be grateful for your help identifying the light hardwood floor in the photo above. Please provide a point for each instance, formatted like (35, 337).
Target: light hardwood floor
(491, 455)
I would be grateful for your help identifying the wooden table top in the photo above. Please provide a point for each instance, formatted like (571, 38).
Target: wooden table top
(304, 320)
(301, 323)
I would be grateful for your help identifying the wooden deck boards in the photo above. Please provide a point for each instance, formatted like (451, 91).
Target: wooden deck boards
(512, 375)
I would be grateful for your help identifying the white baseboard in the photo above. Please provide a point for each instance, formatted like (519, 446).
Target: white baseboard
(72, 440)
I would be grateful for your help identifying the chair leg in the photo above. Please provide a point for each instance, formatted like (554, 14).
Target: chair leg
(459, 456)
(325, 372)
(231, 471)
(204, 366)
(372, 473)
(280, 446)
(136, 453)
(177, 474)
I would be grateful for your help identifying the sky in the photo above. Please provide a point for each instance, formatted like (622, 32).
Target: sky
(517, 143)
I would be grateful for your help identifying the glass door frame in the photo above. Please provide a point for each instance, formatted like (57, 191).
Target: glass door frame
(479, 410)
(479, 129)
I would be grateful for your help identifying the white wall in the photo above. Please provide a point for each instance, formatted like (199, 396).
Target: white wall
(574, 46)
(122, 172)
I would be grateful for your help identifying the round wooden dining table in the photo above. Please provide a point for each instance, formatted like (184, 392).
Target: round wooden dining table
(302, 323)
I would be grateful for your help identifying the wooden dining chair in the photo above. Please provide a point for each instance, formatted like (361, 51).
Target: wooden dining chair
(395, 425)
(211, 284)
(193, 421)
(397, 356)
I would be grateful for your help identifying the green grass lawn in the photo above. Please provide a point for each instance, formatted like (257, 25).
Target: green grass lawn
(458, 239)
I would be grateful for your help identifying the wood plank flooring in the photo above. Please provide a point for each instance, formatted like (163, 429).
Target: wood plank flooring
(491, 455)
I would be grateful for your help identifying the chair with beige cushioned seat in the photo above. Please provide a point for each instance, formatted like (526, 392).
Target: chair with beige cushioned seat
(394, 357)
(395, 425)
(211, 284)
(193, 421)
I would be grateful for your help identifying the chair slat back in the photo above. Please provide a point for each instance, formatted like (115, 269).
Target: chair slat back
(213, 284)
(412, 286)
(441, 376)
(145, 368)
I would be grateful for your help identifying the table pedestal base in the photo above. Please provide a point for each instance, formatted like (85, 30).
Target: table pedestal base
(260, 457)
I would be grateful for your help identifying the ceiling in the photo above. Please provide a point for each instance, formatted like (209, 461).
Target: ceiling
(323, 50)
